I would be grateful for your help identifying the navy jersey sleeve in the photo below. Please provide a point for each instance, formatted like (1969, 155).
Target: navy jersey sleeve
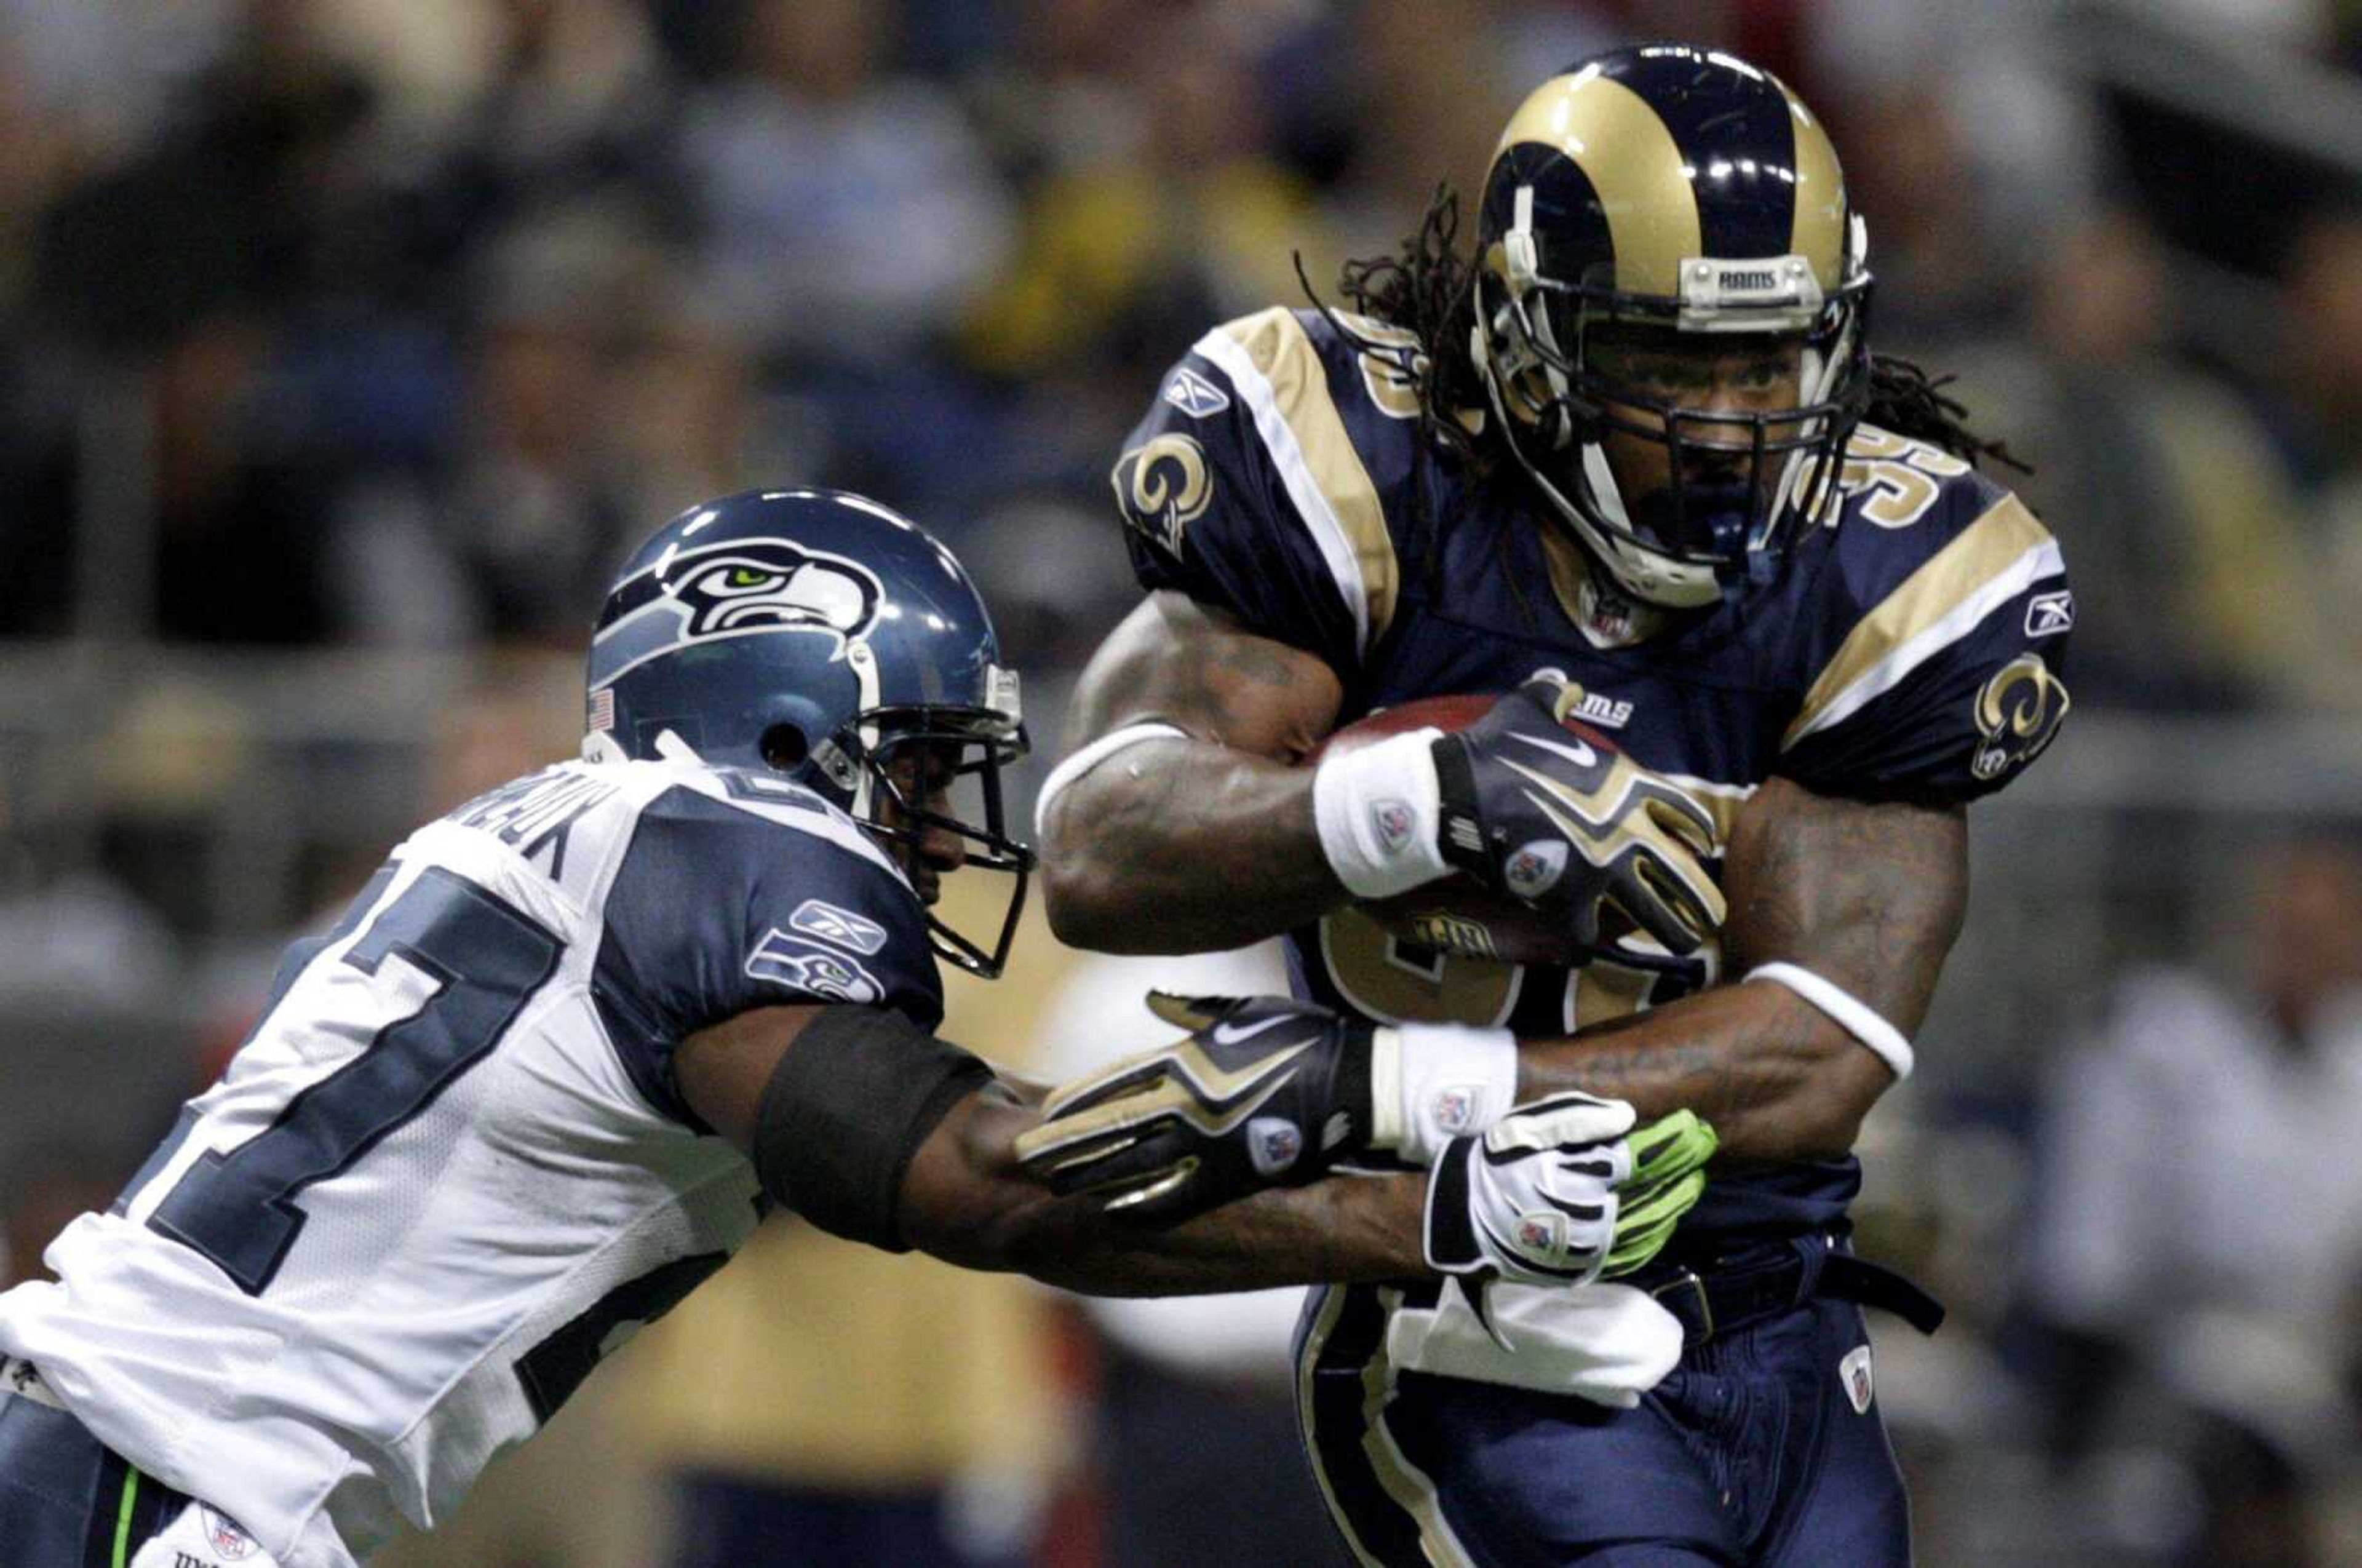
(718, 908)
(1249, 487)
(1935, 653)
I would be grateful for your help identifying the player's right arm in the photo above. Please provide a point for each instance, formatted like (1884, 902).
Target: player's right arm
(1147, 851)
(1179, 819)
(876, 1130)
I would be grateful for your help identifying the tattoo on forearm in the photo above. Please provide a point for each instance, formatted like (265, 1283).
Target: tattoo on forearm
(1868, 896)
(1153, 847)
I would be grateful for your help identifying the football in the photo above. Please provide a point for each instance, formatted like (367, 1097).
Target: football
(1458, 915)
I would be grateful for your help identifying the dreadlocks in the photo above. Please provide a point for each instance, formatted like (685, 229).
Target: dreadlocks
(1427, 288)
(1905, 400)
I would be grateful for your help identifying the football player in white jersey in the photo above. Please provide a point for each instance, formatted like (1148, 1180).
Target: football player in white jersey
(573, 1039)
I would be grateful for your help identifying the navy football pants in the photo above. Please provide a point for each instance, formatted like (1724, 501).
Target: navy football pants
(65, 1500)
(1750, 1452)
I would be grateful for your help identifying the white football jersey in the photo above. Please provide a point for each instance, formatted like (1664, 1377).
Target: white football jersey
(448, 1171)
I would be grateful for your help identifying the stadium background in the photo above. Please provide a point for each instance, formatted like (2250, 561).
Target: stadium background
(344, 346)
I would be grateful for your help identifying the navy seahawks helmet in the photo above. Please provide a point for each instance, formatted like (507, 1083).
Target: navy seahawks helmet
(820, 635)
(1682, 190)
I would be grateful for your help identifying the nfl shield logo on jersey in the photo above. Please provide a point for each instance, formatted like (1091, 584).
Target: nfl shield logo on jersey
(227, 1536)
(1854, 1373)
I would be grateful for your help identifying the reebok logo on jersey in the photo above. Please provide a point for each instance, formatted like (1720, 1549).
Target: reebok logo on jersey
(785, 958)
(837, 927)
(2047, 614)
(1193, 395)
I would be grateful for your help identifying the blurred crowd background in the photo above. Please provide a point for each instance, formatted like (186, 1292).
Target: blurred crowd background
(345, 346)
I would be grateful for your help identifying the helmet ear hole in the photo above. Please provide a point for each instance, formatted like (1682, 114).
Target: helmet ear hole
(785, 747)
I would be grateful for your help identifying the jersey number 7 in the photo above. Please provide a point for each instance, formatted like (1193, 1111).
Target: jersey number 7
(484, 959)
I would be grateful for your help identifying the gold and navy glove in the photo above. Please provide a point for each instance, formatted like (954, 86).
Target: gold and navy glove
(1533, 811)
(1563, 1191)
(1262, 1092)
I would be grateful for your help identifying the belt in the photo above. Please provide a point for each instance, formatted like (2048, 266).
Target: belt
(1728, 1295)
(19, 1379)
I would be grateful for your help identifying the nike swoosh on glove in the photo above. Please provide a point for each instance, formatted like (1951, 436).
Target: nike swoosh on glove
(1262, 1092)
(1535, 811)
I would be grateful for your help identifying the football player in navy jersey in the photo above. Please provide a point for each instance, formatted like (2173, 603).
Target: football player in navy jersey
(564, 1049)
(1631, 463)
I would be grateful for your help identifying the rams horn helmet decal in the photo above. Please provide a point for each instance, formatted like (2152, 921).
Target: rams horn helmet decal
(1685, 196)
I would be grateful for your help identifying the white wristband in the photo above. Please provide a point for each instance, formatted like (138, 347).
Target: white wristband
(1377, 810)
(1431, 1082)
(1855, 1017)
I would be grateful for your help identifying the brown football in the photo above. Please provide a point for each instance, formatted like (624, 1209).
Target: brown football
(1457, 915)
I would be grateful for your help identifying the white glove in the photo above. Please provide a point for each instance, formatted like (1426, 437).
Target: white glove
(1558, 1194)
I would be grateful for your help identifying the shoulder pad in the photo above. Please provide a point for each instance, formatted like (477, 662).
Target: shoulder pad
(1933, 640)
(1278, 442)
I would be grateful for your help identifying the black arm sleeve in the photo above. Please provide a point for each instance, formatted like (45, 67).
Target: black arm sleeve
(846, 1110)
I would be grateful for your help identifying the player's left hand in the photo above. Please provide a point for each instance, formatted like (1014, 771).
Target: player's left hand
(1262, 1092)
(1563, 1191)
(1573, 830)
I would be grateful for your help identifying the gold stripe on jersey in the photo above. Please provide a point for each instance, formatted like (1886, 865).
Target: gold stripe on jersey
(1723, 802)
(1308, 1365)
(1635, 169)
(1950, 580)
(1818, 231)
(1276, 344)
(1404, 1482)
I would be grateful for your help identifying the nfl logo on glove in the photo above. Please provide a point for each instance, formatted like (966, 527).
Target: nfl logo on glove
(1273, 1144)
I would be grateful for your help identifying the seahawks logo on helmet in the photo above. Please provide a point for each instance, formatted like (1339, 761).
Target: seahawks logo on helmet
(737, 588)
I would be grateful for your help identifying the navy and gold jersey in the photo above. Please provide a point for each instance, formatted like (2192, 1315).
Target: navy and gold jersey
(1909, 648)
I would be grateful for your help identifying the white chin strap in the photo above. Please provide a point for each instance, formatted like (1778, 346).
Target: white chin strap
(1649, 577)
(864, 675)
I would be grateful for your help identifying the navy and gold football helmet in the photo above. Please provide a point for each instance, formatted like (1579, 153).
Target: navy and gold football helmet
(1680, 192)
(818, 635)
